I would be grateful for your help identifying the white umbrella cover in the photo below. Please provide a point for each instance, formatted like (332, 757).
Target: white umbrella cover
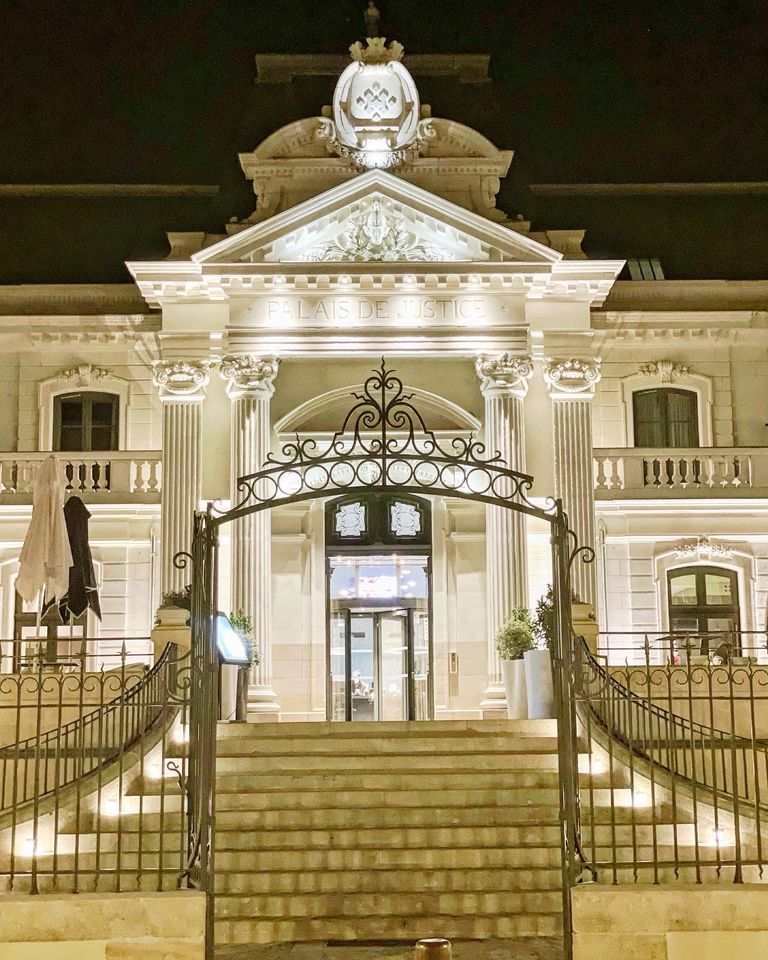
(46, 556)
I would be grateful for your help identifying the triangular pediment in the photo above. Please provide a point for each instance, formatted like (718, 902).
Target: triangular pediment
(377, 217)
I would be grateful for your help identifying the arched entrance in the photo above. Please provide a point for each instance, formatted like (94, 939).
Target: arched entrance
(383, 449)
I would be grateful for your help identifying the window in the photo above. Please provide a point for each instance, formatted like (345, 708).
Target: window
(703, 599)
(85, 421)
(665, 417)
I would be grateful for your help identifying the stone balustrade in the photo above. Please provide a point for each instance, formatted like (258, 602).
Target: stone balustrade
(680, 472)
(107, 475)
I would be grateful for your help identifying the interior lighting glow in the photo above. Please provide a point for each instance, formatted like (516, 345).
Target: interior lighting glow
(182, 734)
(718, 837)
(111, 808)
(31, 849)
(641, 799)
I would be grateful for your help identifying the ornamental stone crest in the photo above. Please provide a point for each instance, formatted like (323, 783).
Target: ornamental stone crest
(504, 372)
(703, 547)
(665, 370)
(572, 377)
(247, 375)
(181, 378)
(85, 374)
(377, 233)
(376, 112)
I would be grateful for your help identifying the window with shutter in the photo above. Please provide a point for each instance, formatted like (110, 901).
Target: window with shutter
(85, 421)
(665, 417)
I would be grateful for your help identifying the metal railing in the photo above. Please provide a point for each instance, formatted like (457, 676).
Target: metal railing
(739, 647)
(672, 771)
(92, 776)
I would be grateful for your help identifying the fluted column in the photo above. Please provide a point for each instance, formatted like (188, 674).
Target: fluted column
(250, 385)
(181, 386)
(571, 385)
(504, 384)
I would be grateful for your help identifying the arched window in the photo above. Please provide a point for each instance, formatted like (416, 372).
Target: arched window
(665, 417)
(86, 421)
(703, 599)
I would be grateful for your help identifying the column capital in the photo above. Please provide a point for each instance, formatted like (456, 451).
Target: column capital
(181, 379)
(572, 379)
(248, 375)
(504, 373)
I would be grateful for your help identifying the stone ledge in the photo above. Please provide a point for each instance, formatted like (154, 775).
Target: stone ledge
(106, 917)
(656, 910)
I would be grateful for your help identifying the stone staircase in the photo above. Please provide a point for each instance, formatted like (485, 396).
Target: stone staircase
(387, 832)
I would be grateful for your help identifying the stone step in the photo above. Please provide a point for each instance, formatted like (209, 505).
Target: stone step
(387, 729)
(378, 746)
(293, 906)
(354, 798)
(390, 881)
(377, 818)
(422, 839)
(391, 781)
(411, 928)
(406, 765)
(397, 858)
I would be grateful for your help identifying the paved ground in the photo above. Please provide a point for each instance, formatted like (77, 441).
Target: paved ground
(522, 949)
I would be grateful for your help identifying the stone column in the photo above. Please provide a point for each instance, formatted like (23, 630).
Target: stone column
(181, 385)
(571, 385)
(250, 385)
(504, 384)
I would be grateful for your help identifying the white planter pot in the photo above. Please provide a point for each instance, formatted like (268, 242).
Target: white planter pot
(538, 684)
(513, 674)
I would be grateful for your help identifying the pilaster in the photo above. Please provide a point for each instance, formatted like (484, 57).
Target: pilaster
(181, 387)
(250, 386)
(504, 384)
(572, 385)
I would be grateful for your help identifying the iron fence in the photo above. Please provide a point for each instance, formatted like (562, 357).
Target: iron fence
(92, 775)
(672, 770)
(739, 647)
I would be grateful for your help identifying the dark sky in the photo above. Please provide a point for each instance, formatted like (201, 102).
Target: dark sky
(154, 89)
(162, 91)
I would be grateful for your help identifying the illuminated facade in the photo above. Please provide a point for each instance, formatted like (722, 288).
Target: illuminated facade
(376, 232)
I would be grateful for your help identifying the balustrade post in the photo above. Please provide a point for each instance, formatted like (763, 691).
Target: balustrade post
(571, 385)
(181, 385)
(250, 386)
(504, 384)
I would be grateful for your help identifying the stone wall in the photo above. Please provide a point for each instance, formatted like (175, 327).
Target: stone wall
(103, 926)
(674, 922)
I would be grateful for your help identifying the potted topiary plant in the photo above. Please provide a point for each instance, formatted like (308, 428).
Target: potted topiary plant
(514, 638)
(538, 662)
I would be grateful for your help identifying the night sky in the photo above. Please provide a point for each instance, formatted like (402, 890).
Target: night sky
(162, 90)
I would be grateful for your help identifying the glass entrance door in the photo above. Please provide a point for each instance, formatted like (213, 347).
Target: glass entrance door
(379, 667)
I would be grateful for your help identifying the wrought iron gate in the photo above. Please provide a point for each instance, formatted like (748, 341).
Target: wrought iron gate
(383, 446)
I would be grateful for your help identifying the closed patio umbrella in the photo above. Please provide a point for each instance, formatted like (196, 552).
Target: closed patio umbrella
(46, 555)
(83, 591)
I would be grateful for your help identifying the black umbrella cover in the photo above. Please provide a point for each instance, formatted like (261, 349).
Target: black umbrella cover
(83, 592)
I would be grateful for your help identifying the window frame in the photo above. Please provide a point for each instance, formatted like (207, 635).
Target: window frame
(87, 399)
(665, 392)
(695, 382)
(700, 611)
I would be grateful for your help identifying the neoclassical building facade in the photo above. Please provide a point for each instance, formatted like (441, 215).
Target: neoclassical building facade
(376, 234)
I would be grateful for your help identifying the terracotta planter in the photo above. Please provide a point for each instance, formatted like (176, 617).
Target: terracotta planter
(513, 674)
(538, 684)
